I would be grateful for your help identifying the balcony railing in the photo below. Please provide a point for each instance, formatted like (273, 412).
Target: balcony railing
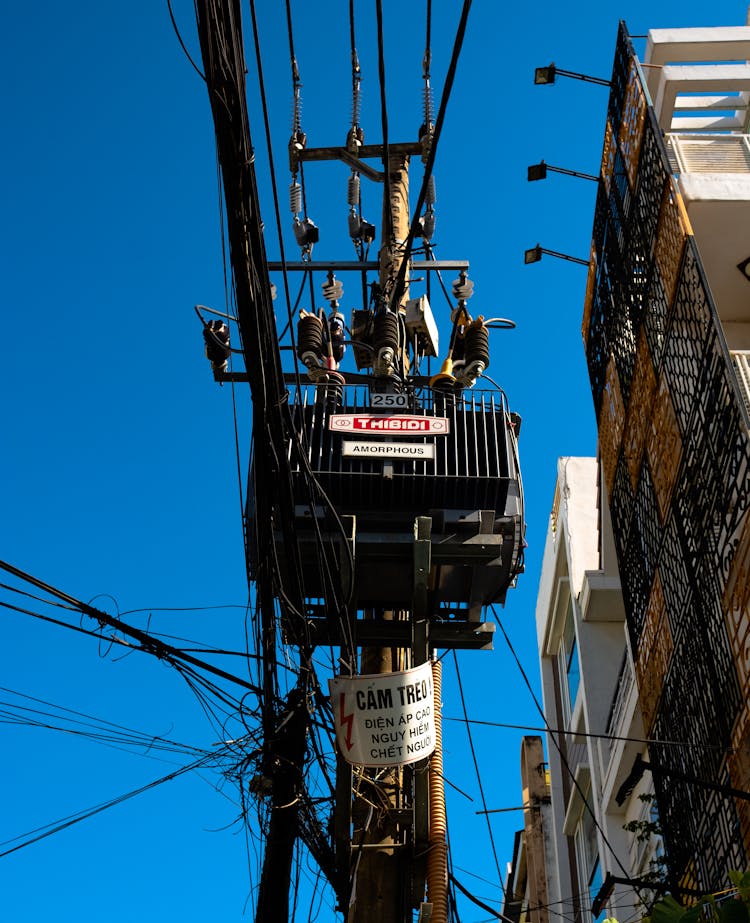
(701, 153)
(741, 363)
(621, 696)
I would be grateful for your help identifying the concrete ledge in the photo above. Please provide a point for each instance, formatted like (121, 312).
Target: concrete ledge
(601, 598)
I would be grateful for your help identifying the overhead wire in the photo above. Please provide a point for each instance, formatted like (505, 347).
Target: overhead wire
(388, 229)
(198, 71)
(478, 774)
(148, 643)
(414, 228)
(47, 830)
(561, 753)
(85, 725)
(272, 164)
(590, 734)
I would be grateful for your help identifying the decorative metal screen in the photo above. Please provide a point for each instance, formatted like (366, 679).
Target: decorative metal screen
(675, 452)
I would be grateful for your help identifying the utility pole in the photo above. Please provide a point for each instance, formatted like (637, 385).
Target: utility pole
(389, 875)
(415, 592)
(381, 882)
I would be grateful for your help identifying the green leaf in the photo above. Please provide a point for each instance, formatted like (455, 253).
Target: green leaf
(667, 910)
(733, 911)
(694, 914)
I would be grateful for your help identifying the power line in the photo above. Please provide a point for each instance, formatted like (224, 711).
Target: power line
(40, 833)
(149, 644)
(476, 768)
(198, 71)
(429, 165)
(571, 733)
(563, 758)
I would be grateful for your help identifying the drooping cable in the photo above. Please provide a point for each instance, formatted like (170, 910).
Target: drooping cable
(197, 70)
(148, 643)
(40, 833)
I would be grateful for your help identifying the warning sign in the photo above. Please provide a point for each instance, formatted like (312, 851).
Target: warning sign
(384, 719)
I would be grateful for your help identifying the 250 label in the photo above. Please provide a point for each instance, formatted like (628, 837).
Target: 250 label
(389, 400)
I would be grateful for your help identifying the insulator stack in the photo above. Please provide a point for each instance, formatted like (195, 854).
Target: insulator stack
(427, 129)
(295, 198)
(476, 344)
(475, 354)
(463, 287)
(385, 343)
(430, 196)
(297, 102)
(356, 98)
(353, 190)
(385, 332)
(429, 104)
(333, 289)
(310, 340)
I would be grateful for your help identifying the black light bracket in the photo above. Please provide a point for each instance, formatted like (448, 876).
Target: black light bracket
(547, 75)
(534, 255)
(659, 887)
(640, 766)
(537, 171)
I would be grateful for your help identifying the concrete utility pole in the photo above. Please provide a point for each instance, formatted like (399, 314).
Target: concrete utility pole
(381, 881)
(396, 222)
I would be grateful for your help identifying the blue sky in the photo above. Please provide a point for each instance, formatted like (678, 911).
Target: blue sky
(118, 474)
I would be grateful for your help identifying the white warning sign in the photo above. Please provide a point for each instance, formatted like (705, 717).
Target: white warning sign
(384, 719)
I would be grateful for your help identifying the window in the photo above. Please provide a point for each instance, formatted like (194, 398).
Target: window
(587, 855)
(595, 884)
(569, 664)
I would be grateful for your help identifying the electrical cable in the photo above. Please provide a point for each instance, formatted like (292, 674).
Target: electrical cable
(40, 833)
(476, 769)
(562, 755)
(198, 71)
(414, 228)
(95, 729)
(388, 229)
(272, 166)
(610, 737)
(496, 914)
(149, 644)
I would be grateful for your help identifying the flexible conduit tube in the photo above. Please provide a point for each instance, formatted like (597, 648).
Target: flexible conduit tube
(437, 865)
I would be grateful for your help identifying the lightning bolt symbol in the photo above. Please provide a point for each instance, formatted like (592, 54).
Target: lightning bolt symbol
(347, 721)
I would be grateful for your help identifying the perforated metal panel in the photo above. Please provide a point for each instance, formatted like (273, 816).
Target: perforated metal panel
(677, 463)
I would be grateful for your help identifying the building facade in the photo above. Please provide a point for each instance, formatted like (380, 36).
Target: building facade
(591, 704)
(667, 337)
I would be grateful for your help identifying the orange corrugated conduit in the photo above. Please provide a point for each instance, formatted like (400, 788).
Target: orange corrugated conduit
(437, 864)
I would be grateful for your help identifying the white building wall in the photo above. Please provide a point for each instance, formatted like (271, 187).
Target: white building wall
(579, 575)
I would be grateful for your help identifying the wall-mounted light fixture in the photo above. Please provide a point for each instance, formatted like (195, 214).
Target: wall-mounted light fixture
(535, 254)
(546, 75)
(539, 171)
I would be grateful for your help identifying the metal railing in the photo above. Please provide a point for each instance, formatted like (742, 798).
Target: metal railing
(702, 153)
(741, 363)
(622, 693)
